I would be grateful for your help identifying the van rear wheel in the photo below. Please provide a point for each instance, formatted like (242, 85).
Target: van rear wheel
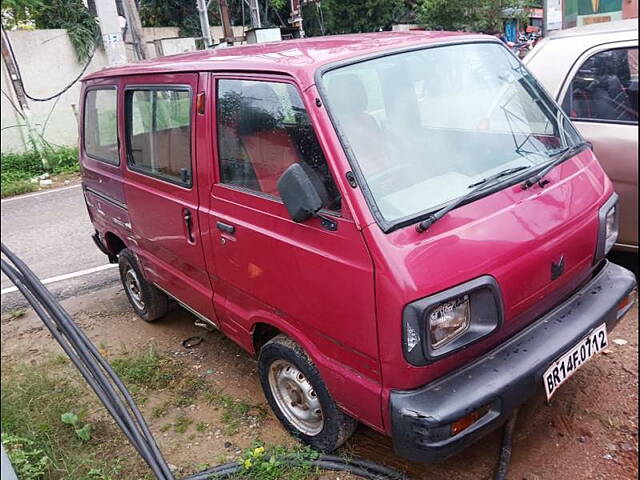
(299, 398)
(145, 298)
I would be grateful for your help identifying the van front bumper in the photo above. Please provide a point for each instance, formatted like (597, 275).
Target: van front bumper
(504, 378)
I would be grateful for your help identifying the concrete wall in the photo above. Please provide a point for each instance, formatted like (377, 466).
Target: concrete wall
(48, 63)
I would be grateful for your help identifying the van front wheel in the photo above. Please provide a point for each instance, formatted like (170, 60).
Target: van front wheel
(147, 301)
(299, 398)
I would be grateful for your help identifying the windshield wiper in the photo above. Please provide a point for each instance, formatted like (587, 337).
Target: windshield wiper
(557, 159)
(485, 182)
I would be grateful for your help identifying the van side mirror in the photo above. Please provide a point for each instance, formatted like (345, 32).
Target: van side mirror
(299, 192)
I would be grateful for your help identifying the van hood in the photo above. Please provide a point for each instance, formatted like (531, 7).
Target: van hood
(513, 235)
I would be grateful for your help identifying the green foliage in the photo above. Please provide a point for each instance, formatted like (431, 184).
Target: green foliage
(69, 418)
(444, 14)
(28, 461)
(18, 13)
(360, 15)
(34, 399)
(260, 463)
(72, 15)
(147, 370)
(175, 13)
(83, 433)
(234, 412)
(279, 4)
(17, 313)
(470, 15)
(18, 168)
(182, 423)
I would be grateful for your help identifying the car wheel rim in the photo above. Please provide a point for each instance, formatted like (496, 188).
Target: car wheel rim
(296, 398)
(132, 284)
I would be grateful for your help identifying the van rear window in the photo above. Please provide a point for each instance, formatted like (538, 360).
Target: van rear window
(100, 125)
(159, 133)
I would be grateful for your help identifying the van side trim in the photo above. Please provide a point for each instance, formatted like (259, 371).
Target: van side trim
(105, 197)
(187, 307)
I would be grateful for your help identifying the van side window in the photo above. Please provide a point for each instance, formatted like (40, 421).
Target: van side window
(100, 125)
(263, 128)
(605, 88)
(159, 133)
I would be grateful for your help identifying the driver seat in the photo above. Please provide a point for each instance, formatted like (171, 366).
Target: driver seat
(362, 130)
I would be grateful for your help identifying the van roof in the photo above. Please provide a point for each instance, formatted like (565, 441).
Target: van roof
(299, 58)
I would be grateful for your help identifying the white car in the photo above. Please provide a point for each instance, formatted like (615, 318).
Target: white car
(592, 71)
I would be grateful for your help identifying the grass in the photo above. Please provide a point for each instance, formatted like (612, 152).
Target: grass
(146, 370)
(234, 412)
(40, 445)
(47, 406)
(15, 314)
(202, 427)
(19, 168)
(182, 423)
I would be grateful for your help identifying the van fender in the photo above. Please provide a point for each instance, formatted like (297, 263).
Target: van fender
(357, 395)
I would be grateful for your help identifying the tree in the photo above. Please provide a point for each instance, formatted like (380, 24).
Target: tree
(491, 14)
(71, 15)
(357, 15)
(18, 13)
(446, 15)
(75, 18)
(471, 15)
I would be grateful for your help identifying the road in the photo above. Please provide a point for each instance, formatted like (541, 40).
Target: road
(51, 232)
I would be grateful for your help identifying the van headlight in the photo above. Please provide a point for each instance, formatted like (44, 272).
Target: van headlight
(609, 227)
(448, 320)
(441, 324)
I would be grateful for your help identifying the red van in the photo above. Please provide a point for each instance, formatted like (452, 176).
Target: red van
(403, 227)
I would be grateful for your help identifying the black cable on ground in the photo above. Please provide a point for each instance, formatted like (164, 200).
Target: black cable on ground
(110, 390)
(93, 367)
(505, 449)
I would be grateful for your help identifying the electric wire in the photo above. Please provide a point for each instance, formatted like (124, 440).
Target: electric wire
(18, 111)
(65, 89)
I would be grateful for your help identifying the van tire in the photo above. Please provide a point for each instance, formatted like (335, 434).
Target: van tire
(147, 301)
(336, 427)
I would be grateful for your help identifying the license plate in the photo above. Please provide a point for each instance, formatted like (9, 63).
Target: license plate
(560, 371)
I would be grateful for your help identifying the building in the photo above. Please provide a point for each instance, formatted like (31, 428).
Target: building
(584, 12)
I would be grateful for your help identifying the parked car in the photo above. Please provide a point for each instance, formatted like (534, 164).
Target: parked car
(595, 79)
(403, 227)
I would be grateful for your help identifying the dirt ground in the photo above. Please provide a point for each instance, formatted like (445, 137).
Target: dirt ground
(589, 431)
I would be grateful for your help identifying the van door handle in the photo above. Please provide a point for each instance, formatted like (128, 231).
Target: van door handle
(188, 221)
(225, 227)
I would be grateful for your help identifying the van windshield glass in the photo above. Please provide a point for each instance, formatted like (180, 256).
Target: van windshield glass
(424, 126)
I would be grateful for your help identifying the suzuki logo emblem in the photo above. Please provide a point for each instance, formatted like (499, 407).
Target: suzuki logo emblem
(557, 268)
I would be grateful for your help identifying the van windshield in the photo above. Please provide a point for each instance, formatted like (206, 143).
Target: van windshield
(424, 126)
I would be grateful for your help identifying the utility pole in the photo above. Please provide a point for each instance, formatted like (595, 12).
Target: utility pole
(202, 6)
(296, 17)
(111, 33)
(18, 89)
(226, 22)
(135, 27)
(254, 11)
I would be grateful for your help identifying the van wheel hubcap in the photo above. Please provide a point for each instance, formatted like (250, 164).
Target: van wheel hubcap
(132, 284)
(296, 397)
